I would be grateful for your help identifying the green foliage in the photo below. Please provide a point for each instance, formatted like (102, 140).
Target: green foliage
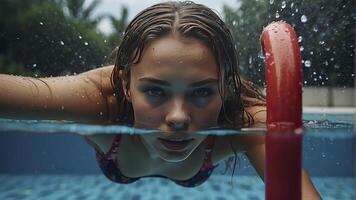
(246, 24)
(77, 11)
(119, 25)
(42, 38)
(56, 37)
(327, 36)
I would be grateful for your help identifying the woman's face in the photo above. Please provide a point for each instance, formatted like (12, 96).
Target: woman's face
(174, 89)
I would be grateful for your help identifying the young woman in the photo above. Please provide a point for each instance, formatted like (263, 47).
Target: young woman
(176, 72)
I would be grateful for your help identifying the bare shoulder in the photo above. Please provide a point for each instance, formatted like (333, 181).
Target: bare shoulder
(100, 77)
(259, 114)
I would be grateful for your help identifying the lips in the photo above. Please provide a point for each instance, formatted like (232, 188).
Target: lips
(175, 139)
(175, 144)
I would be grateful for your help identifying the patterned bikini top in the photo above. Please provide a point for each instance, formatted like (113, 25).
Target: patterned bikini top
(110, 167)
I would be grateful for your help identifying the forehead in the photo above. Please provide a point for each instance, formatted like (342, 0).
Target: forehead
(171, 57)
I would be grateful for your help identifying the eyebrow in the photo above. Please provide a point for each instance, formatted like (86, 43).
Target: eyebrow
(165, 83)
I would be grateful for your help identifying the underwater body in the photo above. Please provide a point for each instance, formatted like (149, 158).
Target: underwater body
(50, 160)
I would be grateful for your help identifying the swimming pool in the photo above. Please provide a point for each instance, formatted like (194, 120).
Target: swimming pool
(63, 166)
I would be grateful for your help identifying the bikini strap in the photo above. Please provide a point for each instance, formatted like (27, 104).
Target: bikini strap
(114, 146)
(209, 147)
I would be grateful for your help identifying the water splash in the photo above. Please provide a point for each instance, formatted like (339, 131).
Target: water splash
(303, 19)
(307, 63)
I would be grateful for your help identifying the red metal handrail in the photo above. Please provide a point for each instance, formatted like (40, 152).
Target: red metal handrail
(284, 112)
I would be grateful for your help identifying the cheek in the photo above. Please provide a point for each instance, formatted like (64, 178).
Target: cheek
(208, 116)
(145, 114)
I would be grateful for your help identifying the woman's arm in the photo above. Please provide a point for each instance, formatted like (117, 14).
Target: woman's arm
(255, 151)
(86, 97)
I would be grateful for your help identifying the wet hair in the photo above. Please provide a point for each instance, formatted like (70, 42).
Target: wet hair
(188, 20)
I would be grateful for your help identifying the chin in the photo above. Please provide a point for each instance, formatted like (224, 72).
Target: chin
(176, 156)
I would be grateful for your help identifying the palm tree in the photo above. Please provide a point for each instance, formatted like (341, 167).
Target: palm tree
(119, 25)
(76, 9)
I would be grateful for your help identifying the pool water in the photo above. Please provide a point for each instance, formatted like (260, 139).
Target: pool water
(92, 187)
(63, 166)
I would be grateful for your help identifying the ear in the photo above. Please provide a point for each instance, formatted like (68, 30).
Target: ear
(124, 85)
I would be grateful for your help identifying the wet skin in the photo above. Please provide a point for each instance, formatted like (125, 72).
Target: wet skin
(175, 83)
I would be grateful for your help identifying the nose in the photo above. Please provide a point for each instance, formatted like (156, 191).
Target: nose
(178, 117)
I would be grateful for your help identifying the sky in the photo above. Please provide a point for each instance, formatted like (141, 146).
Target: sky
(135, 6)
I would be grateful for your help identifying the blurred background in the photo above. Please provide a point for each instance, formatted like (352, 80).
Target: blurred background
(42, 38)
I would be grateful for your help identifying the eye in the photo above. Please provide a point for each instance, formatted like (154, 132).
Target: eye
(202, 92)
(154, 92)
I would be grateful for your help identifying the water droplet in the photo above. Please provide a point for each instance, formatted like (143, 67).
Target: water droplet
(332, 59)
(260, 55)
(307, 63)
(311, 53)
(327, 49)
(104, 41)
(298, 131)
(86, 43)
(80, 37)
(292, 5)
(36, 75)
(321, 42)
(315, 29)
(268, 55)
(303, 19)
(283, 4)
(300, 38)
(337, 66)
(277, 16)
(34, 65)
(323, 154)
(41, 23)
(101, 113)
(234, 23)
(301, 48)
(326, 63)
(62, 107)
(250, 60)
(271, 2)
(62, 43)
